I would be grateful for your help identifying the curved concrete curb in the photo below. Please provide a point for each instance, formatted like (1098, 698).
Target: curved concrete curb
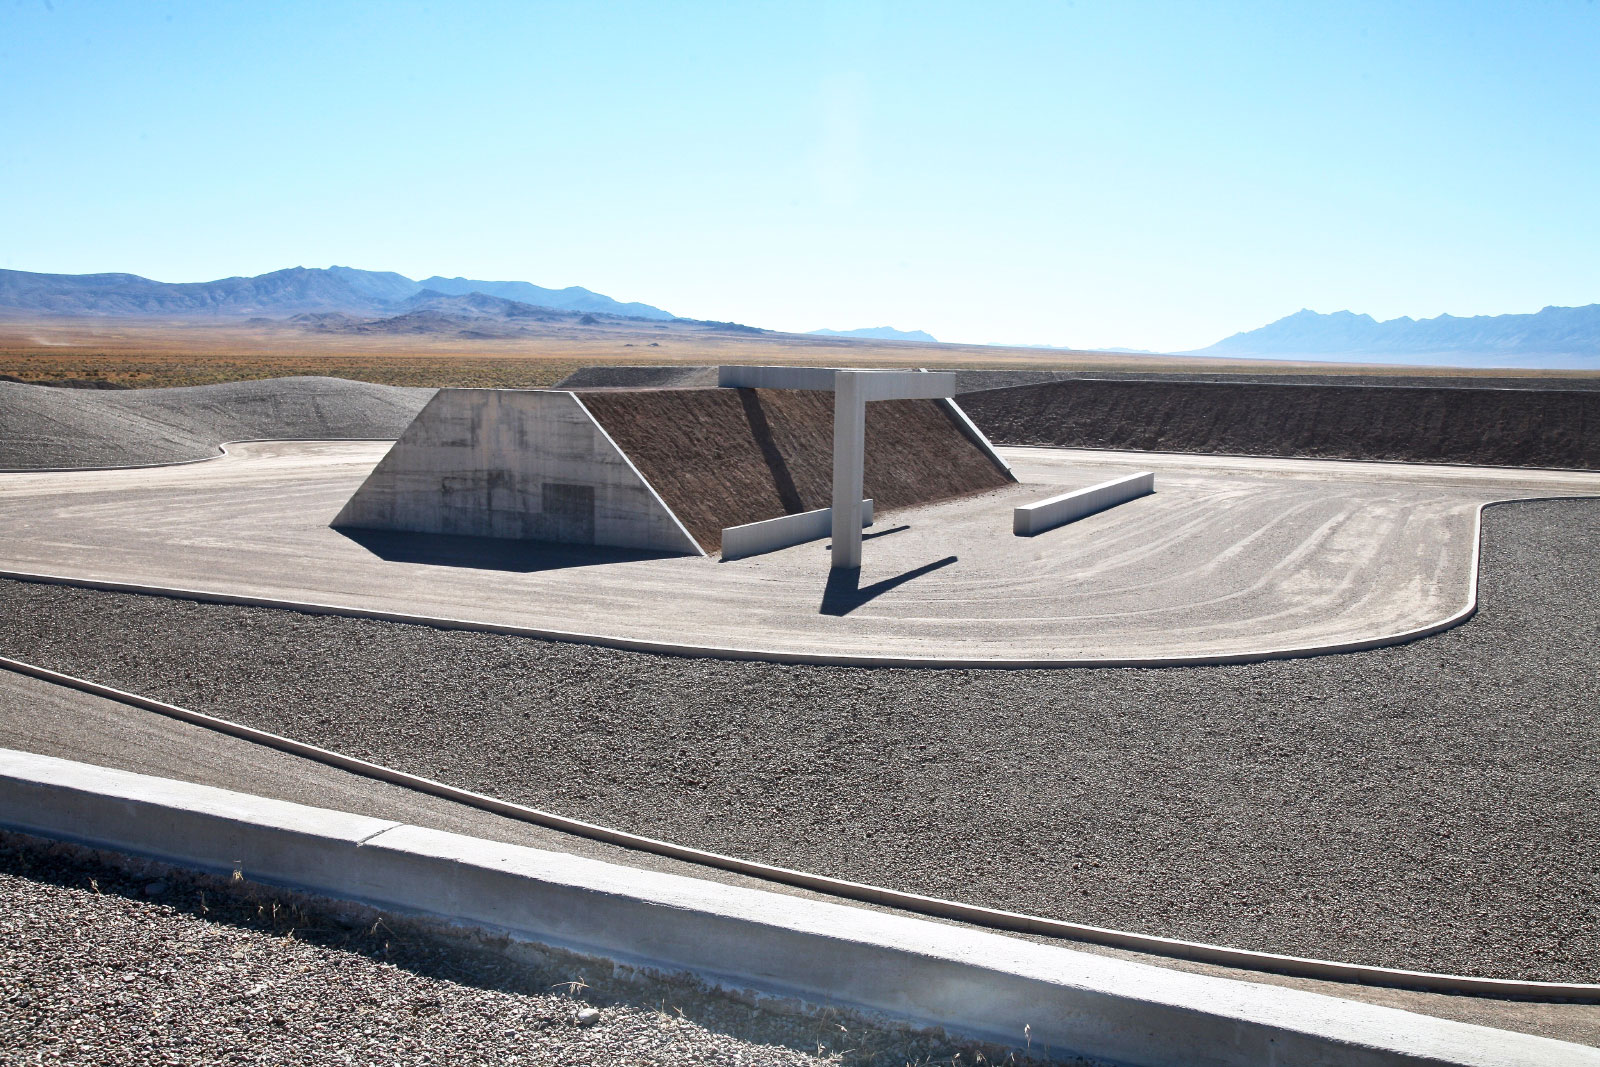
(969, 982)
(826, 659)
(1298, 966)
(222, 453)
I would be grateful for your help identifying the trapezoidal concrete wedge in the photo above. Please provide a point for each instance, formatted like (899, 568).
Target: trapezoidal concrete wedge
(522, 464)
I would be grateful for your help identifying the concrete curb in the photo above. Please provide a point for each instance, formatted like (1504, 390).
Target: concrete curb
(1041, 516)
(1300, 966)
(972, 983)
(826, 659)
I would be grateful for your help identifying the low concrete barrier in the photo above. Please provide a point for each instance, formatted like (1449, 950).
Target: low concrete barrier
(975, 435)
(769, 535)
(1052, 999)
(1043, 515)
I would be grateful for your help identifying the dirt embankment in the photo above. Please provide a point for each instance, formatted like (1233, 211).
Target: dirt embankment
(726, 457)
(42, 427)
(1494, 427)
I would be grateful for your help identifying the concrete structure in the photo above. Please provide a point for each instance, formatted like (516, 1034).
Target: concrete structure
(514, 463)
(1030, 519)
(1054, 1000)
(769, 535)
(852, 391)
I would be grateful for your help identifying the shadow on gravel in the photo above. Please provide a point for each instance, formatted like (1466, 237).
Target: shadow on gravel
(489, 553)
(844, 591)
(120, 900)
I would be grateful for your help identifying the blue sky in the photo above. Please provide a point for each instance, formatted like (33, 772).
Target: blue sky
(1146, 175)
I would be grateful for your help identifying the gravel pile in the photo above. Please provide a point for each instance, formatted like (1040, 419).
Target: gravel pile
(1429, 806)
(972, 381)
(104, 964)
(1493, 427)
(48, 427)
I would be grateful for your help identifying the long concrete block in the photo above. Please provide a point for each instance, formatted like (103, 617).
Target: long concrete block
(1043, 515)
(769, 535)
(971, 982)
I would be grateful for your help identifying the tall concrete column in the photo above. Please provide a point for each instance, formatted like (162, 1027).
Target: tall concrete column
(849, 453)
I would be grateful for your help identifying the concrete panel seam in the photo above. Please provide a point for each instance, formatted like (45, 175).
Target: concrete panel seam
(997, 919)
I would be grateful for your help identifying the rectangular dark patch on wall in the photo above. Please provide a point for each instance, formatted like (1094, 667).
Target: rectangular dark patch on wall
(568, 512)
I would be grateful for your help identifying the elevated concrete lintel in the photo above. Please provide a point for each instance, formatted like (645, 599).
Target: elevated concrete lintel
(874, 384)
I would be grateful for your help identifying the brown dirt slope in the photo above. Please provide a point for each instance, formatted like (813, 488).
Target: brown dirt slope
(725, 457)
(1494, 427)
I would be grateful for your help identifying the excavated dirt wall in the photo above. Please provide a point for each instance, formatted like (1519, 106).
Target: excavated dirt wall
(1494, 427)
(726, 457)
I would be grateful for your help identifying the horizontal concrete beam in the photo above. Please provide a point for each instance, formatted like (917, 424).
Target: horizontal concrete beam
(875, 384)
(903, 384)
(1043, 515)
(973, 983)
(769, 535)
(817, 378)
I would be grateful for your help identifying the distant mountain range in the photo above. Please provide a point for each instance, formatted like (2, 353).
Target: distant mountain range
(1556, 337)
(879, 333)
(297, 290)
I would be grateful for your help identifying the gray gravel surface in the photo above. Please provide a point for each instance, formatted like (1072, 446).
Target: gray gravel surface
(1428, 806)
(45, 427)
(111, 963)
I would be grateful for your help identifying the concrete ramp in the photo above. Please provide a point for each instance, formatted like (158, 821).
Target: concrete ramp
(510, 463)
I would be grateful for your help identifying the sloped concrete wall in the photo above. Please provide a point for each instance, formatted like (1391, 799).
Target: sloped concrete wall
(521, 464)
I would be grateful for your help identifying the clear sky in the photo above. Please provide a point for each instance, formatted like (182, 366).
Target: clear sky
(1137, 174)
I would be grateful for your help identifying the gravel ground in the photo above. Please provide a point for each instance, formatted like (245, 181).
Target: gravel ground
(46, 427)
(116, 963)
(1429, 806)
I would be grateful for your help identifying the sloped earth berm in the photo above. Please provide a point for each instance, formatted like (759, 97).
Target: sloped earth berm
(43, 427)
(1427, 806)
(1489, 427)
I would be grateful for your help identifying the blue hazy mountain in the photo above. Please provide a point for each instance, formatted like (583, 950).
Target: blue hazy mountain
(296, 290)
(1554, 337)
(879, 333)
(572, 298)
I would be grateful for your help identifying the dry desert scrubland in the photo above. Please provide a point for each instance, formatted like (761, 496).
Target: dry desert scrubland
(151, 353)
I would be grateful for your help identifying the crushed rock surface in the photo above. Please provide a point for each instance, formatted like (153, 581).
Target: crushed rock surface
(1428, 806)
(101, 964)
(44, 427)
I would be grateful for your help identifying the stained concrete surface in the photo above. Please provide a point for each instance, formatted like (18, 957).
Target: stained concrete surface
(1228, 557)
